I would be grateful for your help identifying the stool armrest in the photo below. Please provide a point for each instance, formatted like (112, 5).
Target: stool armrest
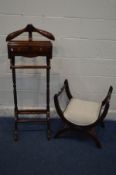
(108, 96)
(105, 104)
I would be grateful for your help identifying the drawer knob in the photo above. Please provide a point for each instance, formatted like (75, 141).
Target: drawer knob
(40, 49)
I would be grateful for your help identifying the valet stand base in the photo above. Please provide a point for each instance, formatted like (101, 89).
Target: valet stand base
(17, 112)
(31, 120)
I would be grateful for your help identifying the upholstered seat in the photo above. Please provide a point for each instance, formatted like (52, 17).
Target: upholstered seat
(80, 114)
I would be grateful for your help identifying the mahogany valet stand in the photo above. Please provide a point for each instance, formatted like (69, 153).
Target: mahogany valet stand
(30, 48)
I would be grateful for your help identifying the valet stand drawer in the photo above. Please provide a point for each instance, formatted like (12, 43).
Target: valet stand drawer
(29, 48)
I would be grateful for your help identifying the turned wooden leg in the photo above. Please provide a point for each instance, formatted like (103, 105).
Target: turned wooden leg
(15, 133)
(48, 98)
(48, 127)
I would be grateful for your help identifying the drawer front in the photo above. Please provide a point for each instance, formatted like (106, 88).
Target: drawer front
(30, 51)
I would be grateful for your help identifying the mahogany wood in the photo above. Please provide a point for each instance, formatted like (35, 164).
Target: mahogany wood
(30, 28)
(30, 49)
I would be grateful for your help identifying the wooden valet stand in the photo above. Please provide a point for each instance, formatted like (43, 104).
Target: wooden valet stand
(30, 48)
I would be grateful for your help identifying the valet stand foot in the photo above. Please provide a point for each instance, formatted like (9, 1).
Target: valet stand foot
(15, 133)
(15, 136)
(48, 128)
(49, 135)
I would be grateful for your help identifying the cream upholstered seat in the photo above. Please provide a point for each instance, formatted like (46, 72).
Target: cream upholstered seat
(82, 112)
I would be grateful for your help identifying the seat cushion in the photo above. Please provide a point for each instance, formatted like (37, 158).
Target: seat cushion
(82, 112)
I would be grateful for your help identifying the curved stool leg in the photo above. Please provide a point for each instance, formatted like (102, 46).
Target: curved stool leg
(61, 131)
(93, 135)
(102, 124)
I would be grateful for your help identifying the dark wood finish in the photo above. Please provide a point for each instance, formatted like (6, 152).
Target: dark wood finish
(29, 67)
(88, 129)
(31, 49)
(32, 111)
(30, 29)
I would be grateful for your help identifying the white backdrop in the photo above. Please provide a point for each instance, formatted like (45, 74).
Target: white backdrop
(84, 49)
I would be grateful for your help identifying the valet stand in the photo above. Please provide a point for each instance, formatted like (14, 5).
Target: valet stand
(30, 48)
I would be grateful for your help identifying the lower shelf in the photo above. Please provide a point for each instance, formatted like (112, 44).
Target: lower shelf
(31, 120)
(32, 111)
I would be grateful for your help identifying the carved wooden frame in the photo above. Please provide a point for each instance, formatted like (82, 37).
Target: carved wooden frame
(88, 129)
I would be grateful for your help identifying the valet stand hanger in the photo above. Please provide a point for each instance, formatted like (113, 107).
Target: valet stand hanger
(30, 28)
